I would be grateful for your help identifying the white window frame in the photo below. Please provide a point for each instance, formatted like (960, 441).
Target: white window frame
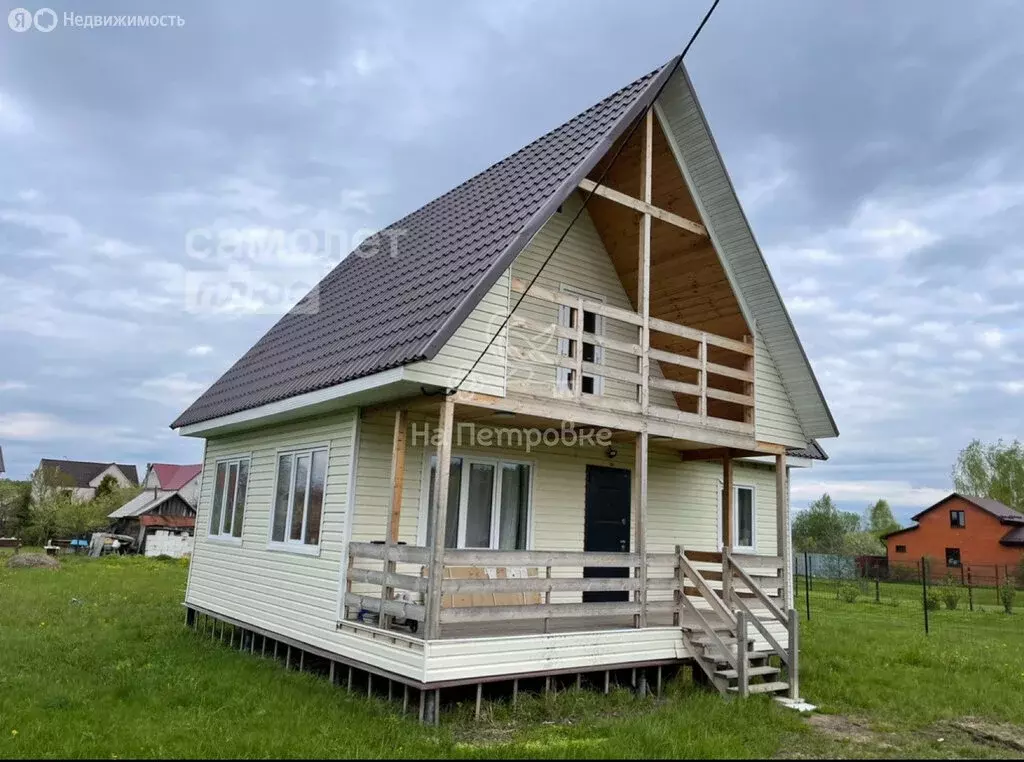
(298, 546)
(736, 487)
(562, 374)
(467, 460)
(228, 461)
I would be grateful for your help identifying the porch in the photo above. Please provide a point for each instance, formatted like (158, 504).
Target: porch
(520, 614)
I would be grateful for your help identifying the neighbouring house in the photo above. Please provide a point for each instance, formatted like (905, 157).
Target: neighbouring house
(153, 516)
(82, 477)
(176, 478)
(458, 461)
(958, 531)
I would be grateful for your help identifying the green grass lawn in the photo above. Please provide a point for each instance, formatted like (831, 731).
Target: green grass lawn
(95, 661)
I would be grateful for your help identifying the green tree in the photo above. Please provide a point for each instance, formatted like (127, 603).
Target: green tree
(862, 544)
(107, 485)
(15, 506)
(880, 520)
(995, 471)
(822, 527)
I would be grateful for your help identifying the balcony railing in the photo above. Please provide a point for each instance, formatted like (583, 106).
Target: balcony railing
(705, 379)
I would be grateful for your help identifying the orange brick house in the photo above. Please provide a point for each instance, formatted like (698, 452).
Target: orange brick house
(960, 530)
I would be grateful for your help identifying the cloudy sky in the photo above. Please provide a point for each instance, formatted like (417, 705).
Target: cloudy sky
(876, 147)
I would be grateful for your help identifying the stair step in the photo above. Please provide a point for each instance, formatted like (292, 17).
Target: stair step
(776, 687)
(751, 672)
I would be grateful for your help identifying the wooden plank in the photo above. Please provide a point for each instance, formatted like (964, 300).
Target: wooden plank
(440, 508)
(409, 554)
(739, 399)
(751, 561)
(704, 556)
(538, 611)
(538, 585)
(767, 602)
(577, 387)
(674, 359)
(396, 609)
(679, 387)
(589, 186)
(518, 285)
(702, 379)
(538, 558)
(391, 579)
(724, 370)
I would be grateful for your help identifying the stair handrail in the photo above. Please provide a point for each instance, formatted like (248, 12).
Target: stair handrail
(736, 569)
(706, 592)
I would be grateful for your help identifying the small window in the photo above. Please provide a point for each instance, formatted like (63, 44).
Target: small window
(743, 500)
(901, 548)
(299, 497)
(592, 324)
(229, 488)
(952, 556)
(957, 519)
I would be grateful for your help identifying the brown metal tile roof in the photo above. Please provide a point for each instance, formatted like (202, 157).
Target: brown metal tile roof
(81, 472)
(383, 311)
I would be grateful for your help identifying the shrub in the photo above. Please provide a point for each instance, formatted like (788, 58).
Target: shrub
(950, 592)
(1007, 592)
(848, 592)
(932, 601)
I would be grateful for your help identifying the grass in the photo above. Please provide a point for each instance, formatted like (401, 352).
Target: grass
(95, 662)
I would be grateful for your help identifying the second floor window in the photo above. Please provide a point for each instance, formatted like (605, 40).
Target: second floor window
(957, 519)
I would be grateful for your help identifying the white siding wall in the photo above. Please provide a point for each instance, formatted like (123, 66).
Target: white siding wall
(683, 503)
(295, 596)
(581, 262)
(456, 357)
(775, 420)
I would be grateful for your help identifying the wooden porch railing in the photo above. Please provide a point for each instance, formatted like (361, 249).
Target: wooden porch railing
(709, 375)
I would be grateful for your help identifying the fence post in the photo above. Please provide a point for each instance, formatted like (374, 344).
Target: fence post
(878, 589)
(924, 591)
(807, 586)
(970, 590)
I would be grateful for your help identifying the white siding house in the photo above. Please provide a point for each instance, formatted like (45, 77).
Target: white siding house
(551, 437)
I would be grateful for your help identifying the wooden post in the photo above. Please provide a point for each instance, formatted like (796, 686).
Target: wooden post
(742, 657)
(784, 545)
(640, 491)
(794, 655)
(440, 508)
(577, 383)
(643, 301)
(727, 540)
(395, 514)
(702, 378)
(748, 388)
(547, 599)
(677, 613)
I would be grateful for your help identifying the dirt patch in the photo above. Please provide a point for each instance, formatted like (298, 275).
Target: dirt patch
(32, 561)
(1002, 735)
(843, 728)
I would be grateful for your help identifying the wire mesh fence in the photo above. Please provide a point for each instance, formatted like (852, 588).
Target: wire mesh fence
(923, 594)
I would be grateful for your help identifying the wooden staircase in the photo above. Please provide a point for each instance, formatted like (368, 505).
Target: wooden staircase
(720, 639)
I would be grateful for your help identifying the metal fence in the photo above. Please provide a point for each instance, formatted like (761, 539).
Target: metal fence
(922, 593)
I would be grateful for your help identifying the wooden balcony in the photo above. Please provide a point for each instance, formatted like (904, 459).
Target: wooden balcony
(649, 368)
